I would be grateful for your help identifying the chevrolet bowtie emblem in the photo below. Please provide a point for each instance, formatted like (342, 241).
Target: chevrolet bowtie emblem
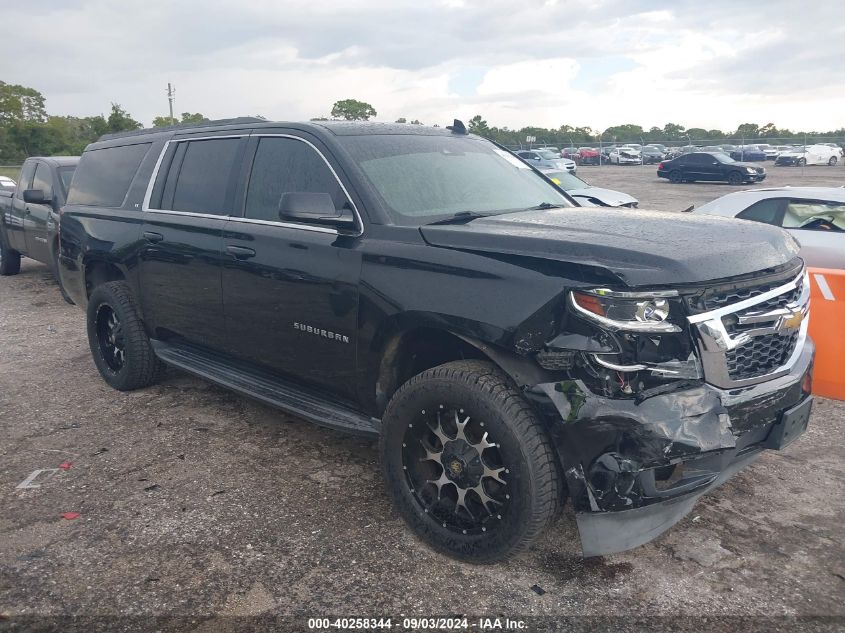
(792, 322)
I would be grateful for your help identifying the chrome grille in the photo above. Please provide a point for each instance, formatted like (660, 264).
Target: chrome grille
(752, 334)
(760, 356)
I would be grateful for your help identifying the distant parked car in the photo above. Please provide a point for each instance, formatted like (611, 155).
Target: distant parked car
(585, 193)
(809, 155)
(7, 184)
(651, 155)
(571, 153)
(547, 158)
(815, 216)
(748, 153)
(625, 156)
(589, 155)
(770, 151)
(710, 166)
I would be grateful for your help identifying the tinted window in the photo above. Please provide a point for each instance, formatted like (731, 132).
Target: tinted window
(204, 180)
(764, 211)
(43, 180)
(285, 165)
(104, 175)
(25, 180)
(66, 175)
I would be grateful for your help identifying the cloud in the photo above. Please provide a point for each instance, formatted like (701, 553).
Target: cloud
(712, 64)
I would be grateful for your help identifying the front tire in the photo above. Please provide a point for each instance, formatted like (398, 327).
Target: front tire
(735, 178)
(801, 162)
(832, 162)
(119, 344)
(467, 462)
(10, 260)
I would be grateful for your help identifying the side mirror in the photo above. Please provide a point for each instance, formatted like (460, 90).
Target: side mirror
(35, 196)
(314, 208)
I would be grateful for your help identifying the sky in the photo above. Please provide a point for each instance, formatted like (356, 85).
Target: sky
(593, 63)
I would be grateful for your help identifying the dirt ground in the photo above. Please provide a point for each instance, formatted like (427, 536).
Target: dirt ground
(204, 506)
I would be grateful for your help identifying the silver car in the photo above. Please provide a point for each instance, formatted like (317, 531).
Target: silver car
(815, 216)
(547, 158)
(586, 194)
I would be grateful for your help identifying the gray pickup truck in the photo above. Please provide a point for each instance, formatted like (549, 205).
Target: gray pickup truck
(29, 215)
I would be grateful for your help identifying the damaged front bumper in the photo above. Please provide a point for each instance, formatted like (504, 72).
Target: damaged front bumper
(635, 468)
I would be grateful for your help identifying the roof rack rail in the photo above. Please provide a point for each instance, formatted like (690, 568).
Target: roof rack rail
(183, 126)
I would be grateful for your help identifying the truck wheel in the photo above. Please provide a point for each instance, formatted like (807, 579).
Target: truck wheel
(119, 345)
(832, 161)
(55, 268)
(676, 176)
(10, 261)
(467, 462)
(735, 178)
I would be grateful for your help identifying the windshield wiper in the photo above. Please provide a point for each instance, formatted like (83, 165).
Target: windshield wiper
(462, 217)
(545, 205)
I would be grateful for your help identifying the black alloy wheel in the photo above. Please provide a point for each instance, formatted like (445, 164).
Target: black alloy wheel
(676, 176)
(735, 178)
(454, 470)
(468, 463)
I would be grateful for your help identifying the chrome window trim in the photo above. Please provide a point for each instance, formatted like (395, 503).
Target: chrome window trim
(145, 207)
(714, 341)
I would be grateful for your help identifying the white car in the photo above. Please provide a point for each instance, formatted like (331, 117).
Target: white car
(7, 184)
(815, 216)
(625, 156)
(546, 158)
(810, 155)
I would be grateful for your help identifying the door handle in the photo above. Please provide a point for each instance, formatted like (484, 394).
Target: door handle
(26, 211)
(240, 252)
(150, 236)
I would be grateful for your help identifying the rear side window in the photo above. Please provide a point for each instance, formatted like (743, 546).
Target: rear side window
(285, 165)
(103, 176)
(204, 180)
(767, 211)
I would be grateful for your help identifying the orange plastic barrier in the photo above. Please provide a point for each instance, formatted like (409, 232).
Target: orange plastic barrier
(827, 329)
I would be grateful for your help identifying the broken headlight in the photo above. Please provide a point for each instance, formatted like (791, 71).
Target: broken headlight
(626, 311)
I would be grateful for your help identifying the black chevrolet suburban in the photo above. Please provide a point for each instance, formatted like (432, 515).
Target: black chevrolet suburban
(509, 349)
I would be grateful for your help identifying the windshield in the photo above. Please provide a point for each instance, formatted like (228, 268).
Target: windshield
(421, 179)
(565, 180)
(66, 175)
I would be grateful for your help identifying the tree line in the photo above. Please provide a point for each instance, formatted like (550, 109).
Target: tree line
(26, 128)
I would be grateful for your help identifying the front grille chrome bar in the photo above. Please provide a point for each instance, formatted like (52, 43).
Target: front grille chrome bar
(715, 342)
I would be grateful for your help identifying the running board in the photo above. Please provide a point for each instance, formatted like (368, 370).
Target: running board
(268, 389)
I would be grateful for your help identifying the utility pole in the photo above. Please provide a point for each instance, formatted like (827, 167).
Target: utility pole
(171, 95)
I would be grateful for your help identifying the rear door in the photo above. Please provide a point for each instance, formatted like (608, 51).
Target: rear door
(181, 255)
(14, 224)
(35, 221)
(290, 290)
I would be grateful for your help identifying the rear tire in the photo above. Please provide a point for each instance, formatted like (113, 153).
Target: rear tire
(832, 162)
(676, 176)
(10, 260)
(735, 178)
(119, 344)
(480, 490)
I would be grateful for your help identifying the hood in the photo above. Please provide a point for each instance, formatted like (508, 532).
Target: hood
(747, 164)
(641, 248)
(607, 196)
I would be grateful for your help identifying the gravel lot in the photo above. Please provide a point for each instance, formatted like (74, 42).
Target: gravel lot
(200, 504)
